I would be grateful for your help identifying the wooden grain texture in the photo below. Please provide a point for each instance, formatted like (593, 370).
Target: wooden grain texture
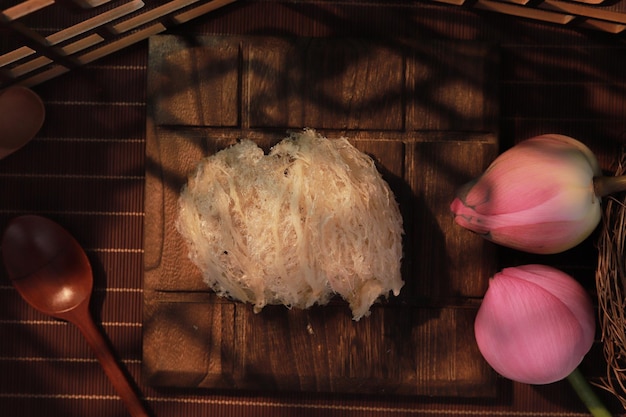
(426, 112)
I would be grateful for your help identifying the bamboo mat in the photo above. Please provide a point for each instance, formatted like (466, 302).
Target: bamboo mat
(85, 169)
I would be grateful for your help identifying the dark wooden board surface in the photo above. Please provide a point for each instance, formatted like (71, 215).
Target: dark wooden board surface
(426, 111)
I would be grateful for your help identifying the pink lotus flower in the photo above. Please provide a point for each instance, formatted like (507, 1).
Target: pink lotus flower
(535, 324)
(537, 197)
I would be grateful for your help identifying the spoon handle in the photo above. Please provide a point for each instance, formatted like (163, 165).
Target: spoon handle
(112, 369)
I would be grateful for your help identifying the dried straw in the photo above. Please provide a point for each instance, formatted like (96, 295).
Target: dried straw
(611, 288)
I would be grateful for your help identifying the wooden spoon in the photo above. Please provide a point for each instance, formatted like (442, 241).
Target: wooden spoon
(51, 272)
(21, 116)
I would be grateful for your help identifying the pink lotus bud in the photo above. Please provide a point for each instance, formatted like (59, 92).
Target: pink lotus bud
(537, 197)
(535, 324)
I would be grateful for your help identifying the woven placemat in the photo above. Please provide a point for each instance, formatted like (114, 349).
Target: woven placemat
(86, 169)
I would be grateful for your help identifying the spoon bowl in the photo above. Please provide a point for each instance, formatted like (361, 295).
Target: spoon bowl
(50, 270)
(46, 265)
(22, 114)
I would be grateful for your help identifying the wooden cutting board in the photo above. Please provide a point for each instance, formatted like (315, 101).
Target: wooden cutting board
(426, 111)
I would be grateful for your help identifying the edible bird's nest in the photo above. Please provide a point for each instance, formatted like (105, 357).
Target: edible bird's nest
(310, 219)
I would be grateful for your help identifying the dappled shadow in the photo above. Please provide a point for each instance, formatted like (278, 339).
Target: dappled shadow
(205, 93)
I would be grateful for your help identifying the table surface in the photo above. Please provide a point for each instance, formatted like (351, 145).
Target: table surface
(86, 170)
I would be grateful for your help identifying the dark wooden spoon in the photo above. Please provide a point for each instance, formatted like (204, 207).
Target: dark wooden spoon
(51, 271)
(22, 114)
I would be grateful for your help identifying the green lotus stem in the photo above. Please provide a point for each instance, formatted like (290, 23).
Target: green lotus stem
(586, 394)
(604, 186)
